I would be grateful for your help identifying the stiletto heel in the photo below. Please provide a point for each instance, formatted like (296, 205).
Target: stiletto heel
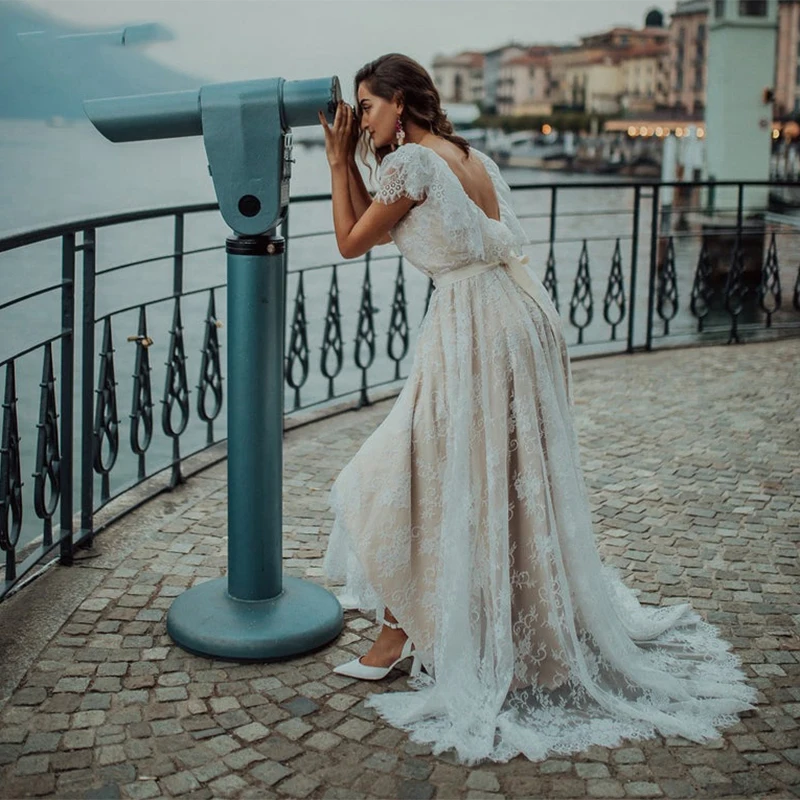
(355, 669)
(416, 665)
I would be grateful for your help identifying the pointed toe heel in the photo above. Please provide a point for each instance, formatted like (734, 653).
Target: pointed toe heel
(355, 669)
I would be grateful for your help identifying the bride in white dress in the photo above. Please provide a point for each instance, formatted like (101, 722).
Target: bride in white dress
(463, 521)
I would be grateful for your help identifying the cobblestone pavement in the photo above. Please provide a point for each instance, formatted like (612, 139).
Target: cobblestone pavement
(692, 459)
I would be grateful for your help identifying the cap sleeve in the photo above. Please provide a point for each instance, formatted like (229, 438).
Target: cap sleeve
(504, 199)
(403, 173)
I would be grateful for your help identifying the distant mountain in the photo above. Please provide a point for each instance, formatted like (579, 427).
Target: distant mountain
(47, 71)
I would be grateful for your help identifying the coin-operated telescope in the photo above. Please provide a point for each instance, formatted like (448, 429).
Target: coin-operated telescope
(256, 613)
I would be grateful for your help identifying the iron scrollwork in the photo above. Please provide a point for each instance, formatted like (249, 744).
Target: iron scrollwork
(615, 293)
(581, 300)
(397, 337)
(769, 287)
(175, 405)
(142, 402)
(332, 343)
(735, 291)
(10, 474)
(106, 419)
(550, 281)
(209, 389)
(702, 288)
(364, 353)
(298, 345)
(47, 477)
(667, 292)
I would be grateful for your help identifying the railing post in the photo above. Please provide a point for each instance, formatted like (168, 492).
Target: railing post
(87, 388)
(177, 258)
(739, 213)
(711, 196)
(651, 290)
(67, 389)
(634, 261)
(285, 235)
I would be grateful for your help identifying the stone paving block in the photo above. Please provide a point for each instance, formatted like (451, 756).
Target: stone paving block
(592, 771)
(677, 788)
(298, 786)
(29, 696)
(483, 780)
(253, 732)
(604, 787)
(180, 783)
(415, 790)
(270, 772)
(239, 759)
(643, 789)
(32, 764)
(209, 770)
(142, 790)
(293, 729)
(41, 743)
(74, 759)
(30, 786)
(354, 729)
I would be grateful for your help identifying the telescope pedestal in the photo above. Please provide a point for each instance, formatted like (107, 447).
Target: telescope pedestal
(206, 620)
(256, 613)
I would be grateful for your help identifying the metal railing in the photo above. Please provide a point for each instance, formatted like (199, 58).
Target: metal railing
(696, 271)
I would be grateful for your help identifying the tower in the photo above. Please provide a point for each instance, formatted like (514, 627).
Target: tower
(741, 71)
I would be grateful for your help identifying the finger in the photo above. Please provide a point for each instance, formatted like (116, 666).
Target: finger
(323, 120)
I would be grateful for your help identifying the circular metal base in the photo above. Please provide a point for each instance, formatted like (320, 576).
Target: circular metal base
(207, 621)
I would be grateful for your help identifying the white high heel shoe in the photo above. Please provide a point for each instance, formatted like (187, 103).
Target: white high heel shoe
(363, 672)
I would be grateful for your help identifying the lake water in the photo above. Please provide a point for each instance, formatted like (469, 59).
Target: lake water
(60, 174)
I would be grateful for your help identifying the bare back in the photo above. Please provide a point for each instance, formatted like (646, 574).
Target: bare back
(472, 175)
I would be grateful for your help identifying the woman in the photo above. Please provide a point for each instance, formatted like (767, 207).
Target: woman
(463, 520)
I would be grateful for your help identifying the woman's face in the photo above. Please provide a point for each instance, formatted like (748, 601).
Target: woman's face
(378, 116)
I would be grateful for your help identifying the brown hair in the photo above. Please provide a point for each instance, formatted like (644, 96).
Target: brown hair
(395, 76)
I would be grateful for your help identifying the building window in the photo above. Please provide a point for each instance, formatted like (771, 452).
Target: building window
(752, 8)
(719, 8)
(701, 32)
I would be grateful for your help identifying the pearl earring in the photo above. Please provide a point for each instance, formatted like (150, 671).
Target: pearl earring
(400, 133)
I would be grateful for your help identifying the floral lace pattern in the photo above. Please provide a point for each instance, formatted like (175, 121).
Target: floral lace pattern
(466, 514)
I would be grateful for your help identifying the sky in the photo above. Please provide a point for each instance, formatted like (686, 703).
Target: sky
(228, 40)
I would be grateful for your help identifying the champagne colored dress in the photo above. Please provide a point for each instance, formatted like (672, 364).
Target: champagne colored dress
(466, 514)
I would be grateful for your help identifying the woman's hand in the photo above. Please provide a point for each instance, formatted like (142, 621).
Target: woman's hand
(340, 139)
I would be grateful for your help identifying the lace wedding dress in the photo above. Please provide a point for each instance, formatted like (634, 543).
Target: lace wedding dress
(466, 514)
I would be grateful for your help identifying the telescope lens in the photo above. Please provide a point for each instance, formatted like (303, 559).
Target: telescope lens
(249, 205)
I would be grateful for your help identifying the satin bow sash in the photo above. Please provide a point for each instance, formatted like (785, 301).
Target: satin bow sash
(514, 265)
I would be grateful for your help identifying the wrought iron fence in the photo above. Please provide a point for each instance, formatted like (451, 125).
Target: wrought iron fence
(689, 270)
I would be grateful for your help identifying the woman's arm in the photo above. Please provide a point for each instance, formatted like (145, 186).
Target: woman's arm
(354, 236)
(359, 196)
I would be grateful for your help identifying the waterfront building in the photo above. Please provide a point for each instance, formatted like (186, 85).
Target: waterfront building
(460, 78)
(525, 83)
(787, 59)
(645, 78)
